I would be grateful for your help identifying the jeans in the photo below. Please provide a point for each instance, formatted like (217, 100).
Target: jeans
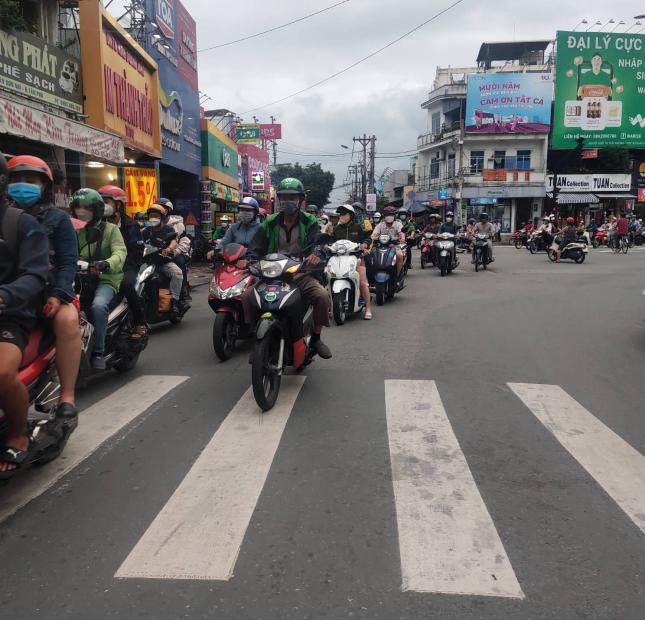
(176, 279)
(100, 312)
(180, 261)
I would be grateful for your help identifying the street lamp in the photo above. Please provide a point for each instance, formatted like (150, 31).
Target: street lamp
(584, 22)
(598, 23)
(634, 24)
(611, 21)
(342, 146)
(620, 23)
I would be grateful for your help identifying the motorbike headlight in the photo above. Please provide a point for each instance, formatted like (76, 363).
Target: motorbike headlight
(272, 268)
(445, 245)
(214, 290)
(238, 289)
(384, 239)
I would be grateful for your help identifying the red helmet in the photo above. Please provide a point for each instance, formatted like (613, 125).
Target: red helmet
(112, 191)
(29, 163)
(570, 220)
(389, 211)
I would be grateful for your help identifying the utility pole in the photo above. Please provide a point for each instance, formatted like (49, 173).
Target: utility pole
(372, 161)
(364, 141)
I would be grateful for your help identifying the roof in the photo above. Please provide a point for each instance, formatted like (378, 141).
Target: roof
(509, 50)
(565, 198)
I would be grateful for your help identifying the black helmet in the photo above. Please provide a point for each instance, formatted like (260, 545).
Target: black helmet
(471, 221)
(4, 174)
(483, 215)
(389, 211)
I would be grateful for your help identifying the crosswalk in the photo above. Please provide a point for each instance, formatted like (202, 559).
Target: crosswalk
(448, 541)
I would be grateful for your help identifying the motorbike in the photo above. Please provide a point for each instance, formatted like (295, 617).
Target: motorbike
(447, 257)
(48, 432)
(383, 272)
(344, 280)
(225, 299)
(427, 250)
(519, 238)
(601, 238)
(538, 242)
(575, 251)
(121, 351)
(639, 237)
(152, 285)
(480, 251)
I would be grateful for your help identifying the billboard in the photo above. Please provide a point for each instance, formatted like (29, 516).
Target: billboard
(591, 182)
(258, 163)
(599, 90)
(509, 102)
(271, 131)
(140, 189)
(248, 134)
(178, 95)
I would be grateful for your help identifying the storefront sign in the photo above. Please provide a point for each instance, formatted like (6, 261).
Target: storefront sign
(641, 194)
(224, 192)
(509, 102)
(271, 132)
(122, 92)
(590, 154)
(599, 90)
(140, 188)
(248, 134)
(219, 156)
(26, 122)
(591, 182)
(370, 203)
(640, 182)
(37, 70)
(257, 181)
(258, 161)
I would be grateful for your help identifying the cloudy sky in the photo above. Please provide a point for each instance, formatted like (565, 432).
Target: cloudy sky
(381, 96)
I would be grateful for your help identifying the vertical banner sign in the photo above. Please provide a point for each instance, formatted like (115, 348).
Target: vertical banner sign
(599, 90)
(140, 189)
(370, 203)
(257, 181)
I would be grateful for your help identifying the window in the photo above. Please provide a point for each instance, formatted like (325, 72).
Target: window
(499, 160)
(434, 168)
(476, 161)
(451, 165)
(524, 160)
(436, 123)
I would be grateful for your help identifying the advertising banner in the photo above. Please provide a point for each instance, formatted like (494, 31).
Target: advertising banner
(591, 182)
(248, 134)
(122, 90)
(258, 162)
(640, 182)
(21, 120)
(140, 189)
(219, 156)
(509, 102)
(257, 181)
(37, 70)
(178, 95)
(599, 90)
(271, 132)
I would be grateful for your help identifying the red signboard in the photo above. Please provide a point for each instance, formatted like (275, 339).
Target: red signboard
(590, 154)
(186, 45)
(258, 162)
(271, 132)
(641, 194)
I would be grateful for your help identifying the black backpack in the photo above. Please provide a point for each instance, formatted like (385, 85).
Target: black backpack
(9, 217)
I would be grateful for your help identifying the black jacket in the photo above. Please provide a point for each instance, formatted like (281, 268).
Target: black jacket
(133, 238)
(352, 231)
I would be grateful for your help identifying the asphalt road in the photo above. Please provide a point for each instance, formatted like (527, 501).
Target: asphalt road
(432, 469)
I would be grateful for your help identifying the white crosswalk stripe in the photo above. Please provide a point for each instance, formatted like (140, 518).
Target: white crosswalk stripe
(96, 424)
(617, 467)
(198, 533)
(447, 540)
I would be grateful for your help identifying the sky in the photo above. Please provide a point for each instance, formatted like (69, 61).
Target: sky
(383, 95)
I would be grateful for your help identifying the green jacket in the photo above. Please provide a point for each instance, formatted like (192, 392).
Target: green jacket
(112, 250)
(267, 239)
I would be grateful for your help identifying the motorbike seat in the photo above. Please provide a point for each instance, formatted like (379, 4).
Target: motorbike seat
(40, 339)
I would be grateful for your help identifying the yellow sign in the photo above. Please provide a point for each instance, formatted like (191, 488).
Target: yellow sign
(140, 189)
(122, 89)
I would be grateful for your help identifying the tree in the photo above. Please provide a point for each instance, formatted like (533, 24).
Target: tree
(317, 182)
(11, 15)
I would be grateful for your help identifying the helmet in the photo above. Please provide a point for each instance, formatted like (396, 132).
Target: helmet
(251, 202)
(87, 198)
(225, 218)
(157, 208)
(4, 174)
(140, 215)
(552, 217)
(346, 209)
(389, 211)
(434, 215)
(164, 202)
(291, 186)
(358, 206)
(450, 214)
(312, 208)
(377, 216)
(112, 191)
(29, 163)
(324, 218)
(483, 216)
(545, 219)
(471, 221)
(570, 220)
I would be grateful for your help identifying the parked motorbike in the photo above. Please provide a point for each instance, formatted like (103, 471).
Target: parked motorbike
(48, 432)
(480, 251)
(383, 272)
(575, 251)
(225, 299)
(447, 256)
(344, 280)
(152, 285)
(427, 250)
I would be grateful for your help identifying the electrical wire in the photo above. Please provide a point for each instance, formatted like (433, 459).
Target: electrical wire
(358, 62)
(259, 34)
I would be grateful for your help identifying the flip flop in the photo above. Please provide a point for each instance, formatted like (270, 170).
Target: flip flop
(16, 457)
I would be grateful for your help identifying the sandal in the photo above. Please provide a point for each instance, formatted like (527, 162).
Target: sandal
(14, 456)
(139, 332)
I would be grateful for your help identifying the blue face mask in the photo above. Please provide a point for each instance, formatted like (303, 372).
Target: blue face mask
(25, 195)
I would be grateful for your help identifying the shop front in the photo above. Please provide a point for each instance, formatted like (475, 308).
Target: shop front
(220, 193)
(509, 205)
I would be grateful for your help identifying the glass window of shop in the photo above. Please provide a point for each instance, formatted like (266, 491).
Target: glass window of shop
(98, 176)
(476, 161)
(498, 209)
(524, 159)
(499, 160)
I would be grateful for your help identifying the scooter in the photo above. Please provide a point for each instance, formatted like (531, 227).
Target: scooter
(427, 250)
(447, 260)
(121, 351)
(601, 238)
(225, 299)
(384, 277)
(480, 251)
(48, 432)
(344, 280)
(537, 243)
(152, 285)
(575, 251)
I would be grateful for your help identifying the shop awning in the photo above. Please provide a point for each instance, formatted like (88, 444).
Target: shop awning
(625, 195)
(575, 199)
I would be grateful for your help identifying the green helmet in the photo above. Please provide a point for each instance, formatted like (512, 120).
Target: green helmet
(291, 186)
(89, 199)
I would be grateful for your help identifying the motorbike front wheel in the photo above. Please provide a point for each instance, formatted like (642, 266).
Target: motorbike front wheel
(551, 254)
(478, 258)
(595, 243)
(443, 267)
(518, 244)
(265, 374)
(224, 336)
(580, 257)
(532, 247)
(338, 308)
(380, 294)
(423, 260)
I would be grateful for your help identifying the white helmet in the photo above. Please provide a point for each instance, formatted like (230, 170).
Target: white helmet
(377, 215)
(347, 208)
(324, 218)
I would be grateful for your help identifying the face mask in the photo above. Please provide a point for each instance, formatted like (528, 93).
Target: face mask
(109, 211)
(85, 215)
(403, 217)
(389, 219)
(448, 220)
(345, 218)
(154, 221)
(25, 195)
(290, 207)
(246, 217)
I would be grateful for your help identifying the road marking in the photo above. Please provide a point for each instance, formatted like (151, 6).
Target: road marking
(617, 467)
(96, 424)
(447, 540)
(198, 533)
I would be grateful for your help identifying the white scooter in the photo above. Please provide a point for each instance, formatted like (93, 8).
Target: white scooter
(344, 280)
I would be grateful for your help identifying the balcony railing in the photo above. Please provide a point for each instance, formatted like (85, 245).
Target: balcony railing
(445, 176)
(447, 131)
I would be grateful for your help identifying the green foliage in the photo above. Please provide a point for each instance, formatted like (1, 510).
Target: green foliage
(317, 182)
(613, 160)
(11, 15)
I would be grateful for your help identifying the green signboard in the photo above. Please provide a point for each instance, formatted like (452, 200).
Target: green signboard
(599, 90)
(248, 134)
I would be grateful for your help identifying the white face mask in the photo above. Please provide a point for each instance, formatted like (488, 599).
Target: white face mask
(85, 215)
(154, 221)
(246, 217)
(389, 219)
(109, 211)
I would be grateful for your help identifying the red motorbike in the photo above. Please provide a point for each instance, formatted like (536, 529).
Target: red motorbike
(601, 238)
(428, 256)
(225, 299)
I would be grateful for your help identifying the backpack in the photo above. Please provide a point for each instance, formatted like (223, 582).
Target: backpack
(9, 228)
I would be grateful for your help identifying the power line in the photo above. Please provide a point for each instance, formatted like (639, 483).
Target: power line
(259, 34)
(358, 62)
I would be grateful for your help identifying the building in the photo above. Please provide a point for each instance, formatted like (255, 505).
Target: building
(393, 184)
(479, 152)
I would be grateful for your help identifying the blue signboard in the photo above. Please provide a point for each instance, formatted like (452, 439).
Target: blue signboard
(509, 103)
(171, 42)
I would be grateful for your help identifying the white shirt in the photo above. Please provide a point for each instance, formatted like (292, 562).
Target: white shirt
(393, 230)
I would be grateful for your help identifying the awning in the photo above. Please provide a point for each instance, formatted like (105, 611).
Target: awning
(625, 195)
(575, 199)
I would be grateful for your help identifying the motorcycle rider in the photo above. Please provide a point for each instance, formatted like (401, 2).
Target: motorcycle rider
(220, 231)
(294, 232)
(325, 225)
(159, 230)
(377, 218)
(100, 244)
(359, 209)
(24, 268)
(184, 247)
(30, 188)
(245, 228)
(141, 217)
(409, 230)
(450, 227)
(349, 228)
(568, 235)
(622, 230)
(484, 227)
(114, 198)
(394, 229)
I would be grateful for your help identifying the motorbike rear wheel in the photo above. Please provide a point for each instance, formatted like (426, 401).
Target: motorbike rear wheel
(380, 294)
(265, 375)
(532, 247)
(127, 363)
(338, 308)
(224, 336)
(551, 254)
(624, 245)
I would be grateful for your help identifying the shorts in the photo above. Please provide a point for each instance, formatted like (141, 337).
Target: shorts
(15, 332)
